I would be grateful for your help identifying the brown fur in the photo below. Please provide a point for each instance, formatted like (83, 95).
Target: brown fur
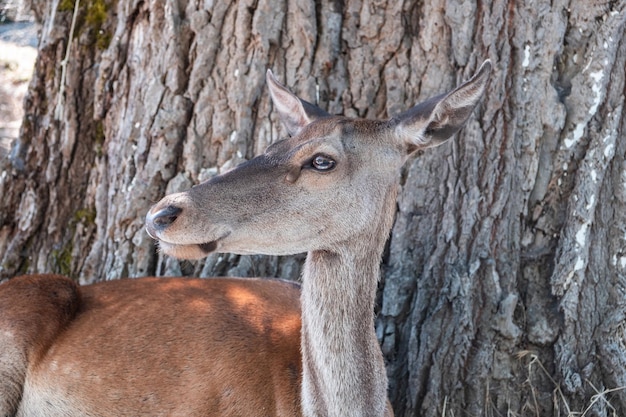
(33, 311)
(157, 346)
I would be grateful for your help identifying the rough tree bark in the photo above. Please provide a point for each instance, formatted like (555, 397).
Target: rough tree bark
(504, 287)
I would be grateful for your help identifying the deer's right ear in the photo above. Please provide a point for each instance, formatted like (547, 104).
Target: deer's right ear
(434, 121)
(294, 112)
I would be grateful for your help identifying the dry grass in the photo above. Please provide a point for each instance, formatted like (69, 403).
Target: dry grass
(559, 398)
(560, 403)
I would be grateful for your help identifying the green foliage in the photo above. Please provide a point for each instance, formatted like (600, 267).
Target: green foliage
(103, 40)
(92, 17)
(85, 216)
(96, 13)
(62, 257)
(66, 5)
(62, 260)
(99, 138)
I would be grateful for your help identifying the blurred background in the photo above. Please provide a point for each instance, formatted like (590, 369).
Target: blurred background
(18, 50)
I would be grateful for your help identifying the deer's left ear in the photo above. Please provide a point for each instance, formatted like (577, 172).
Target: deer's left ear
(294, 112)
(434, 121)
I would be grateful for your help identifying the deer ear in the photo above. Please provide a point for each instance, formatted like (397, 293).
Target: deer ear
(434, 121)
(294, 112)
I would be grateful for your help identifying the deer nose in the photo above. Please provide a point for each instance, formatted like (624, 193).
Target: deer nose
(162, 218)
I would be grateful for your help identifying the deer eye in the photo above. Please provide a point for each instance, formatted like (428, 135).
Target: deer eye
(323, 163)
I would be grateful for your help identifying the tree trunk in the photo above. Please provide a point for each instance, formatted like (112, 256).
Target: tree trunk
(504, 287)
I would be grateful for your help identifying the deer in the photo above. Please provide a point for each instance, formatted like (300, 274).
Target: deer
(161, 346)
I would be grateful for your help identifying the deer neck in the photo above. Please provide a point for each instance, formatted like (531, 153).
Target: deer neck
(343, 368)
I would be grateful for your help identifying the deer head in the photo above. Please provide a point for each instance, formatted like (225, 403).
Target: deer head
(325, 185)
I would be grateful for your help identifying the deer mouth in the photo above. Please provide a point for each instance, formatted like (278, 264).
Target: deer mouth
(185, 250)
(208, 247)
